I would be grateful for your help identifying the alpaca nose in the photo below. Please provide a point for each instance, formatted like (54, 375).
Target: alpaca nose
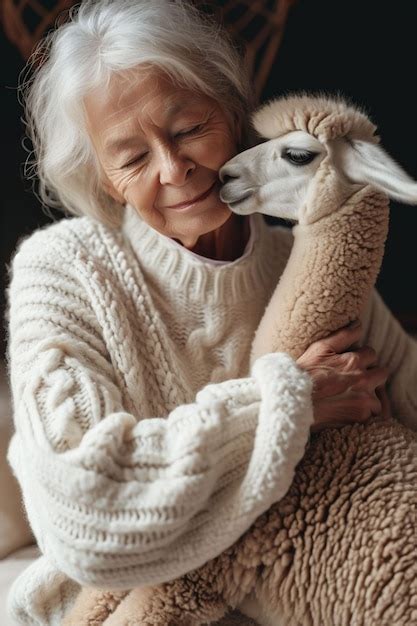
(229, 172)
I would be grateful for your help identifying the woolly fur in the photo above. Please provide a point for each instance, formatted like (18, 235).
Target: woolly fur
(339, 548)
(319, 115)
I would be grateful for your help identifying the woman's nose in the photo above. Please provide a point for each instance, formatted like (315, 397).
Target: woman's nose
(174, 168)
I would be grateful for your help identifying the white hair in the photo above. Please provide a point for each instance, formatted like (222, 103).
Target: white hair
(106, 36)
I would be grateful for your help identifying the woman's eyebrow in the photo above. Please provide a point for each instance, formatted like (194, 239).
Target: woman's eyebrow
(176, 105)
(117, 145)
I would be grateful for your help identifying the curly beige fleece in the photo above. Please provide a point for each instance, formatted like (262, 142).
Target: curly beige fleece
(339, 549)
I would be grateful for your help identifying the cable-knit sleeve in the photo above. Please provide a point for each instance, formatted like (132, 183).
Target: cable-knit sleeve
(131, 501)
(397, 351)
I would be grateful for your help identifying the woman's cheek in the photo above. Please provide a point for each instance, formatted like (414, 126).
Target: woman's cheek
(138, 194)
(218, 148)
(124, 182)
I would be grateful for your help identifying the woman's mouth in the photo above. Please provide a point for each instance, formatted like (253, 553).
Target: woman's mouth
(191, 203)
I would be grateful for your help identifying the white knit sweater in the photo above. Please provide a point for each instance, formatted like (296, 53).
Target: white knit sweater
(144, 447)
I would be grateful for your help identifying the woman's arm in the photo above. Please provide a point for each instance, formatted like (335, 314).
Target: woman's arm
(115, 499)
(397, 351)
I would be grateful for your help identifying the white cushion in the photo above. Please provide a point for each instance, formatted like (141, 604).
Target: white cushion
(10, 568)
(15, 531)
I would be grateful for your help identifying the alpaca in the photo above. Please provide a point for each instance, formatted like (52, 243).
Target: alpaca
(319, 154)
(321, 556)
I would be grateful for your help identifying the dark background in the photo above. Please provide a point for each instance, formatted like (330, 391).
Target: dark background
(365, 50)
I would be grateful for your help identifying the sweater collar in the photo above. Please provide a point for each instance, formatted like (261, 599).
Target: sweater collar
(171, 264)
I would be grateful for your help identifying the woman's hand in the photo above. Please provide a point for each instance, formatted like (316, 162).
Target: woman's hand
(348, 385)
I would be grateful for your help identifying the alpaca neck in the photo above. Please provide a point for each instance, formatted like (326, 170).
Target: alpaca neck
(330, 273)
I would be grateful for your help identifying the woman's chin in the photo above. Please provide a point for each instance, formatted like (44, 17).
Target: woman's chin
(194, 225)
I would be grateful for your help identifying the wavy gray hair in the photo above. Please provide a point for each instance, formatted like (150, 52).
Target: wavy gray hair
(99, 38)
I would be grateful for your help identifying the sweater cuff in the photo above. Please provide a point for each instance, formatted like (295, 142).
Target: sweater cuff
(278, 371)
(285, 417)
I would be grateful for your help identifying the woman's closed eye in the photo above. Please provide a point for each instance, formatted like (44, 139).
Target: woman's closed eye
(190, 131)
(183, 133)
(135, 160)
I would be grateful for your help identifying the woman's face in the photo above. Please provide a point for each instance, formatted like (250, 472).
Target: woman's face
(160, 146)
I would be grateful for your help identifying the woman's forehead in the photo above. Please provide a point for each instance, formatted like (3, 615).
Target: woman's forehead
(146, 93)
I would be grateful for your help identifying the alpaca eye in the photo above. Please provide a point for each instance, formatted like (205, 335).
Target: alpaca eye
(299, 157)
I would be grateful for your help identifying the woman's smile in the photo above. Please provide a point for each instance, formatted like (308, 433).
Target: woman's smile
(191, 204)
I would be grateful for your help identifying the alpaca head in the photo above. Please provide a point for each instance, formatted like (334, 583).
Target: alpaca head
(306, 134)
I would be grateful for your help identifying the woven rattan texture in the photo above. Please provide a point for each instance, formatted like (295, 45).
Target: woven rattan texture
(256, 25)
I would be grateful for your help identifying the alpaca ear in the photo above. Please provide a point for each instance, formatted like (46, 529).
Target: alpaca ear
(368, 163)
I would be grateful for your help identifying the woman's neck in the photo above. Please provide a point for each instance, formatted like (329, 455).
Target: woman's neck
(226, 243)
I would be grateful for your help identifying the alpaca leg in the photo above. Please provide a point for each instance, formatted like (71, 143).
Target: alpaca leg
(93, 606)
(252, 607)
(170, 604)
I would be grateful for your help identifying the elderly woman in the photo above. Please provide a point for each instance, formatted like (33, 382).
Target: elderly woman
(142, 445)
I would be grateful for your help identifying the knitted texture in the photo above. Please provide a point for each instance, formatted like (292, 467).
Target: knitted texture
(144, 446)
